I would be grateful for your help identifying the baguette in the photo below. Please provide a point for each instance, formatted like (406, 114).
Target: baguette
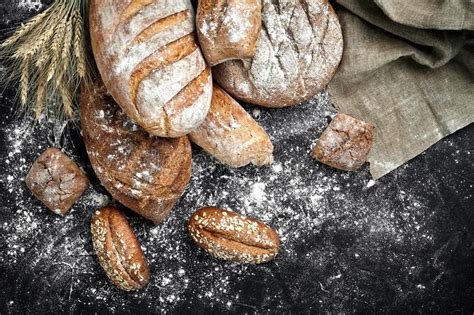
(231, 135)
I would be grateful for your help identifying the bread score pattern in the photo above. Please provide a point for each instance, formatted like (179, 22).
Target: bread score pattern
(118, 250)
(298, 51)
(143, 172)
(149, 60)
(230, 236)
(231, 135)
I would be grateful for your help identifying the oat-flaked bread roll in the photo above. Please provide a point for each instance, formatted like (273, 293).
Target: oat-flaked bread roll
(118, 250)
(149, 59)
(228, 29)
(299, 49)
(231, 135)
(145, 173)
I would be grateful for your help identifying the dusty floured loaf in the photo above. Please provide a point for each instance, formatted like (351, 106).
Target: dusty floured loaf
(145, 173)
(231, 135)
(150, 62)
(298, 51)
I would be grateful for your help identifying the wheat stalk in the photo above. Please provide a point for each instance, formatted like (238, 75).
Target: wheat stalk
(54, 42)
(24, 81)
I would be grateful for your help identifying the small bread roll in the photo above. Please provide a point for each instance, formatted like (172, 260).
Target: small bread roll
(228, 29)
(118, 250)
(231, 135)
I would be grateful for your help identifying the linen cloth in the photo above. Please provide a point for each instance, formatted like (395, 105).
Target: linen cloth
(408, 68)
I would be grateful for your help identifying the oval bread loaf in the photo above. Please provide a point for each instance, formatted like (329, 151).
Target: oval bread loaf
(231, 135)
(118, 250)
(145, 173)
(298, 51)
(150, 62)
(228, 29)
(230, 236)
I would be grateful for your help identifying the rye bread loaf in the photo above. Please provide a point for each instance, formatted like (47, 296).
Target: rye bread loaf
(118, 250)
(143, 172)
(345, 144)
(298, 51)
(56, 180)
(228, 29)
(230, 236)
(150, 62)
(231, 135)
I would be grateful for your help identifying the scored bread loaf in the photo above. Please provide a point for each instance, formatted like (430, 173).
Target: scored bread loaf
(228, 29)
(298, 52)
(145, 173)
(150, 62)
(231, 135)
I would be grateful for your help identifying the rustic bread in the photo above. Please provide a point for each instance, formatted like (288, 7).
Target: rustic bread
(145, 173)
(56, 181)
(345, 144)
(228, 29)
(231, 135)
(230, 236)
(150, 62)
(118, 250)
(298, 51)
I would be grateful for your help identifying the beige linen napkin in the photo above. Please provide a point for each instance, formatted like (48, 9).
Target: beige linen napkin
(408, 68)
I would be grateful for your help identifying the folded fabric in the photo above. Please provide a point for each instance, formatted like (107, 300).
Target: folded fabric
(408, 68)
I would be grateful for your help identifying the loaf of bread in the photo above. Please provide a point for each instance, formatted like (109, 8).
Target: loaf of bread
(345, 144)
(231, 135)
(118, 250)
(228, 29)
(230, 236)
(56, 181)
(145, 173)
(298, 51)
(150, 62)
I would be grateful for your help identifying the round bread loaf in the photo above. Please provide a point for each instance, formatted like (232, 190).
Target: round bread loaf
(298, 51)
(145, 173)
(118, 250)
(150, 62)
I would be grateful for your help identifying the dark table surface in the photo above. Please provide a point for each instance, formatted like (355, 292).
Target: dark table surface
(402, 244)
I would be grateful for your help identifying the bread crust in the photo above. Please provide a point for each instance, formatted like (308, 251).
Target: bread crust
(345, 144)
(229, 236)
(228, 29)
(298, 51)
(118, 250)
(231, 135)
(145, 173)
(147, 54)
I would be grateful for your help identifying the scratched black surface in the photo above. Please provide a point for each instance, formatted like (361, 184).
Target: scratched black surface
(440, 279)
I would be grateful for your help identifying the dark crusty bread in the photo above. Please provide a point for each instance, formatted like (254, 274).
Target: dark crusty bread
(118, 250)
(148, 57)
(231, 135)
(145, 173)
(56, 181)
(228, 29)
(230, 236)
(298, 52)
(345, 144)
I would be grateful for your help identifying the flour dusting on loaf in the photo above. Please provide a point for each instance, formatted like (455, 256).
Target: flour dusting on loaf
(298, 51)
(147, 54)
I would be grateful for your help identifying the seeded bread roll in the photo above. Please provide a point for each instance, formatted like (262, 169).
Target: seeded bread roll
(298, 52)
(230, 236)
(118, 250)
(145, 173)
(228, 29)
(231, 135)
(150, 62)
